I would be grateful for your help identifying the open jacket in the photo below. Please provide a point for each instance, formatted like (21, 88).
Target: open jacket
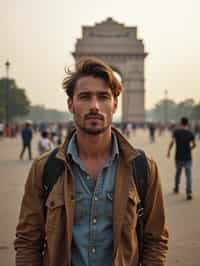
(46, 241)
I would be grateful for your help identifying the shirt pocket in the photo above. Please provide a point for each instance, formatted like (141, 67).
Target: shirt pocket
(55, 214)
(82, 204)
(131, 211)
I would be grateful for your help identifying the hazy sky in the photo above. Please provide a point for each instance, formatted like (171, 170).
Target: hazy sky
(38, 36)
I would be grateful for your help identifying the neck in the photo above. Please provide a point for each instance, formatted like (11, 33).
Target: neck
(94, 146)
(185, 126)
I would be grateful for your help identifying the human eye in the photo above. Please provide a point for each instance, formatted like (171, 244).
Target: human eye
(84, 96)
(104, 96)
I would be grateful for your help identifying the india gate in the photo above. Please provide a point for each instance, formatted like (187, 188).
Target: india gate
(119, 47)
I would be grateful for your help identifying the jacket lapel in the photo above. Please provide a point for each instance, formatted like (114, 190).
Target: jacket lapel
(120, 200)
(69, 194)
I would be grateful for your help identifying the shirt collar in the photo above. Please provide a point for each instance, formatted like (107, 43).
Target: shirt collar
(73, 152)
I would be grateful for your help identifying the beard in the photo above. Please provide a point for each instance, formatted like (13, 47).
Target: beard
(93, 129)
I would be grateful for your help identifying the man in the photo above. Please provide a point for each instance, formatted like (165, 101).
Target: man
(185, 142)
(152, 130)
(1, 129)
(26, 140)
(91, 212)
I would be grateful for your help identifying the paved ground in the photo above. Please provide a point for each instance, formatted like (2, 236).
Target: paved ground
(183, 217)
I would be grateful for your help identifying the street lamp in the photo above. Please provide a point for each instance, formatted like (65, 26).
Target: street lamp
(7, 64)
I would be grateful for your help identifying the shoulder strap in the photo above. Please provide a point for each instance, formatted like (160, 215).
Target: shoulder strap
(140, 173)
(52, 170)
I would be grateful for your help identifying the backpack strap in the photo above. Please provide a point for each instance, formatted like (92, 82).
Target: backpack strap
(140, 173)
(52, 170)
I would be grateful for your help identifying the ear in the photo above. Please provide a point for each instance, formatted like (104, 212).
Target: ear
(115, 105)
(70, 104)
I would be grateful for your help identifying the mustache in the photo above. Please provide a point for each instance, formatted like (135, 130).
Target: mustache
(97, 115)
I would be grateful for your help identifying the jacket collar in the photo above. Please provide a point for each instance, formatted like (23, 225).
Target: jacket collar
(127, 151)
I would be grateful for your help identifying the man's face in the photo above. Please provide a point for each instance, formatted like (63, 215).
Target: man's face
(92, 105)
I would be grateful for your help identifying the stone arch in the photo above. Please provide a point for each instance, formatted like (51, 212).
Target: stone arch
(120, 48)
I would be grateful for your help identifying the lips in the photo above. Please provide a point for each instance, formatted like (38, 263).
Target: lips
(94, 117)
(99, 117)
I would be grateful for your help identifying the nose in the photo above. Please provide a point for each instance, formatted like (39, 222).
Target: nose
(94, 104)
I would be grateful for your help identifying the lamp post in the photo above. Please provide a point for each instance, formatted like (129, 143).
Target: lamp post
(7, 65)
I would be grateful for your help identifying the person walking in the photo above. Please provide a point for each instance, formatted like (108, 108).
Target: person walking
(1, 129)
(152, 130)
(185, 142)
(90, 214)
(26, 135)
(44, 143)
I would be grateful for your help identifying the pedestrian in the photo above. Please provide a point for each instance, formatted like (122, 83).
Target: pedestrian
(197, 130)
(26, 135)
(128, 130)
(1, 129)
(44, 143)
(152, 129)
(185, 142)
(91, 212)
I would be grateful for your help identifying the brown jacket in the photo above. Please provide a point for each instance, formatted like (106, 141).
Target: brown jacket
(41, 243)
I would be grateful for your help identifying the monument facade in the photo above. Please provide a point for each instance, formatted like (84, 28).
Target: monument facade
(120, 48)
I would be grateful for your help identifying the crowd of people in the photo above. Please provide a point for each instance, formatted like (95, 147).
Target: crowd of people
(51, 135)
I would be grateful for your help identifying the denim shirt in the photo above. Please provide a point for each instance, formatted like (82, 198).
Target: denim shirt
(92, 243)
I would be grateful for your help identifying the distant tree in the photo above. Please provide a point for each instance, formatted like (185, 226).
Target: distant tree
(18, 102)
(185, 108)
(164, 110)
(195, 114)
(38, 113)
(174, 111)
(2, 113)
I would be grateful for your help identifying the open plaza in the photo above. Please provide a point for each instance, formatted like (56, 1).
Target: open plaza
(183, 217)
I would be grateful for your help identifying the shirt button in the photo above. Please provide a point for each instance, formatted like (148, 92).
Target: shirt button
(95, 198)
(93, 250)
(94, 221)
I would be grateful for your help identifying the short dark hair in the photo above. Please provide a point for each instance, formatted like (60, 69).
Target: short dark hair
(90, 66)
(184, 121)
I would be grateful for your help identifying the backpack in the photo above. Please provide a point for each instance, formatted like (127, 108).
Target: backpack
(54, 168)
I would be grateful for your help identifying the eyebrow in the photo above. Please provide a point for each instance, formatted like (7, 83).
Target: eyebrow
(94, 93)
